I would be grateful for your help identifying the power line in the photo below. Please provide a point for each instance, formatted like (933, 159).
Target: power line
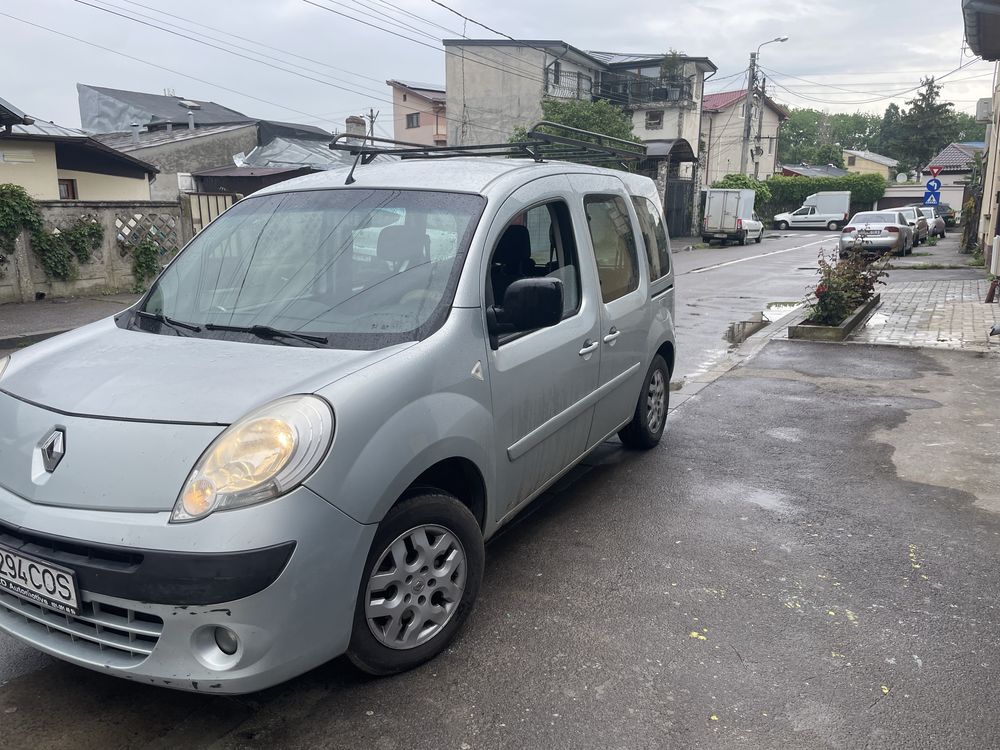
(367, 95)
(247, 39)
(156, 65)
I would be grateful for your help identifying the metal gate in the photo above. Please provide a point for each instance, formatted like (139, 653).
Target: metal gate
(203, 208)
(677, 204)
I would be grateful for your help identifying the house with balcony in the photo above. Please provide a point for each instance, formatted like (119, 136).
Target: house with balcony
(419, 113)
(497, 85)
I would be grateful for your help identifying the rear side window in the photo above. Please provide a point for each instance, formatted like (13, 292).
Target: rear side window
(654, 237)
(614, 245)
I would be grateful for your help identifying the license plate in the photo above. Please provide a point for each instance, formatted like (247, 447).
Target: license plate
(38, 581)
(721, 235)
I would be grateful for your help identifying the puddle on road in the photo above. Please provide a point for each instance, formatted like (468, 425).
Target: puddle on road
(777, 310)
(739, 332)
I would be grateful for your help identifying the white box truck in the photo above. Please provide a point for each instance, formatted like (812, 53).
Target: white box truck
(829, 210)
(729, 216)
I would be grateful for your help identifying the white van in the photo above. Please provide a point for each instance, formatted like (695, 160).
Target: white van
(829, 210)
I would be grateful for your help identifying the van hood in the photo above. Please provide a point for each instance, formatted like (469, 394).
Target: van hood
(102, 370)
(782, 217)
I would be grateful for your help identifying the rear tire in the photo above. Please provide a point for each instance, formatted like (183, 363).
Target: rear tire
(760, 237)
(781, 225)
(650, 417)
(833, 226)
(429, 580)
(743, 238)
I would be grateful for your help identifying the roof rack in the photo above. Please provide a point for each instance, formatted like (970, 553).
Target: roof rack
(556, 142)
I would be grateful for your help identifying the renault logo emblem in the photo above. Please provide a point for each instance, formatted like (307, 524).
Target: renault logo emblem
(53, 448)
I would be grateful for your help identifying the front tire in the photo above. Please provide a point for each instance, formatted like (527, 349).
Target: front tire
(833, 226)
(781, 226)
(650, 417)
(419, 585)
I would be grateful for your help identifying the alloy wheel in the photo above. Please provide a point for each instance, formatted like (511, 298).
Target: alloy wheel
(415, 587)
(656, 401)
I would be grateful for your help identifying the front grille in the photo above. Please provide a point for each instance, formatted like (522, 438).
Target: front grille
(68, 551)
(101, 634)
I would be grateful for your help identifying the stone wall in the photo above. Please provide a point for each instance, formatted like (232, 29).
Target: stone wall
(109, 269)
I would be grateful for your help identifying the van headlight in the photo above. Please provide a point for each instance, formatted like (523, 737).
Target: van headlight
(263, 455)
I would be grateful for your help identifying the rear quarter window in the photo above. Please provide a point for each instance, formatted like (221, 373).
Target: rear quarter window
(654, 236)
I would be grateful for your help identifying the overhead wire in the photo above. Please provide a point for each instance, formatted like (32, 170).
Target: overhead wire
(367, 95)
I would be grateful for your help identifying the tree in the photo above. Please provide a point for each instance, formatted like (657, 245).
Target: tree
(597, 117)
(888, 142)
(967, 129)
(760, 188)
(799, 135)
(926, 127)
(828, 153)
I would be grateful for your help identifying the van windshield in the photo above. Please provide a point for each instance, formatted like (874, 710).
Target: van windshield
(348, 268)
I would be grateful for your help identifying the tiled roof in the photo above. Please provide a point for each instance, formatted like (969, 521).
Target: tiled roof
(429, 91)
(958, 157)
(872, 156)
(160, 108)
(721, 100)
(818, 170)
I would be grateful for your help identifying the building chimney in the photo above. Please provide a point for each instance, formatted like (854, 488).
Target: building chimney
(356, 126)
(190, 120)
(135, 133)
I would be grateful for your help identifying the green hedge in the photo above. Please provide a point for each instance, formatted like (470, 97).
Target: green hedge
(788, 193)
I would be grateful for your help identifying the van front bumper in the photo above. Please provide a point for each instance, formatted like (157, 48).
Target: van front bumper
(234, 603)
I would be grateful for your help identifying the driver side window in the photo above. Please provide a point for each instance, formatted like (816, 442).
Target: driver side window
(536, 243)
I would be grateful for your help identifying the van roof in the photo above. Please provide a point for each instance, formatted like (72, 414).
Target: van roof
(461, 174)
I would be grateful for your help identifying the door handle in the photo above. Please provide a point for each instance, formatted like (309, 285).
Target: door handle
(612, 336)
(589, 347)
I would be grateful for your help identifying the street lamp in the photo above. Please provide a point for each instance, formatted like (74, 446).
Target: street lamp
(751, 86)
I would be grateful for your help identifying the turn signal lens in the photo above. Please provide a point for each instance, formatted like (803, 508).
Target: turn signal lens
(264, 455)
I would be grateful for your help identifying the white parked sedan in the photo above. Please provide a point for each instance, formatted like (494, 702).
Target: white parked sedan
(877, 233)
(935, 222)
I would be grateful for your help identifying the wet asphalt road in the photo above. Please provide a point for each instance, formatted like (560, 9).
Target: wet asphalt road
(764, 578)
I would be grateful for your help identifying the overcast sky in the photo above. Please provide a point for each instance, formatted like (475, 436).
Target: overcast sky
(851, 53)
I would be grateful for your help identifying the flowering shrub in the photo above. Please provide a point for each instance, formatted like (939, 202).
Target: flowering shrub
(845, 283)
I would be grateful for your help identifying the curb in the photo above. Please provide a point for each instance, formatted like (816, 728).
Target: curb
(25, 339)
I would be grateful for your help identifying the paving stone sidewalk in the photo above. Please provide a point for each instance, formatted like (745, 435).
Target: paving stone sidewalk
(945, 314)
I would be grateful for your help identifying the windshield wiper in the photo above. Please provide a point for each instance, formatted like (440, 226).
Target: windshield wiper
(177, 325)
(267, 332)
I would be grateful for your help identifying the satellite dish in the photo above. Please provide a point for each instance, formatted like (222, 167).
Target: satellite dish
(902, 177)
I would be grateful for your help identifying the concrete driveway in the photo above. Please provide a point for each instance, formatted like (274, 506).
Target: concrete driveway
(808, 560)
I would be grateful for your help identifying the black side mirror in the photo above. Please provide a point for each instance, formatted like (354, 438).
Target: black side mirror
(528, 304)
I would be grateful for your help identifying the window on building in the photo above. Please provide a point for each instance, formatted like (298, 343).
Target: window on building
(67, 190)
(413, 120)
(556, 72)
(770, 145)
(654, 119)
(404, 97)
(614, 245)
(852, 160)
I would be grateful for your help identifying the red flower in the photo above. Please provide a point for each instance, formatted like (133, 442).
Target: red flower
(821, 290)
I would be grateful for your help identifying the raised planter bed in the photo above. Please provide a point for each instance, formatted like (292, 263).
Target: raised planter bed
(835, 333)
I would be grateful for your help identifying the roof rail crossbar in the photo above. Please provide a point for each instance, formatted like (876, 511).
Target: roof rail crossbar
(545, 141)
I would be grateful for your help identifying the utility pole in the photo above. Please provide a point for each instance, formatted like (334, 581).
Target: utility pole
(372, 116)
(758, 150)
(748, 113)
